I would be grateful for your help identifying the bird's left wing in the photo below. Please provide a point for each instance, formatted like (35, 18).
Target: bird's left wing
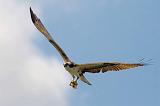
(37, 22)
(107, 66)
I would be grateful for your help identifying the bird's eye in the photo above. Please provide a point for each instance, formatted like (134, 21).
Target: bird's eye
(69, 65)
(65, 65)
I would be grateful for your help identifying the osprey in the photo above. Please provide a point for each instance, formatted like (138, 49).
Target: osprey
(77, 71)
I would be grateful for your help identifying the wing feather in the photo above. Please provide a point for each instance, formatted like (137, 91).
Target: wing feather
(37, 22)
(107, 66)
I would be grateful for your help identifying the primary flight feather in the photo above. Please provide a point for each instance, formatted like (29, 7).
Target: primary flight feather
(77, 71)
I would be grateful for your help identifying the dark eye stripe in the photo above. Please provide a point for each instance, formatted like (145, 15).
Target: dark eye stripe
(69, 65)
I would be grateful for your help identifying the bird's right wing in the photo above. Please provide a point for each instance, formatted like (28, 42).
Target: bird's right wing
(37, 22)
(107, 66)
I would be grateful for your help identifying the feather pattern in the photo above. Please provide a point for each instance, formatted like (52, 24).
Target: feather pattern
(106, 66)
(37, 22)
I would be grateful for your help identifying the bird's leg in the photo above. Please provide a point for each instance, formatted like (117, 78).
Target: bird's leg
(75, 82)
(73, 77)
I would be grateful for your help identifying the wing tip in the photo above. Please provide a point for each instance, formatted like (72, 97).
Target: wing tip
(144, 64)
(33, 16)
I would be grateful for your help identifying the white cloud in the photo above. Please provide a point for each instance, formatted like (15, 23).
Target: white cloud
(27, 78)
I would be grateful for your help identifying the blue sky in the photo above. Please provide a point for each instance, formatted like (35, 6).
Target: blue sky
(108, 30)
(88, 31)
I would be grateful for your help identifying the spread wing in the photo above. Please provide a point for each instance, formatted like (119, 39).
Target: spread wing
(108, 66)
(37, 22)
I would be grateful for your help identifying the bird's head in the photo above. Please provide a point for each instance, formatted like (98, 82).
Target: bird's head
(69, 64)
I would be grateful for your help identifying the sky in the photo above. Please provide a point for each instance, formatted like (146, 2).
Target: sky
(31, 70)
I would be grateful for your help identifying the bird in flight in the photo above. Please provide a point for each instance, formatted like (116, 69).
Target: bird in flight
(77, 71)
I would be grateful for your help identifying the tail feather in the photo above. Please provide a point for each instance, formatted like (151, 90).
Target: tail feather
(82, 78)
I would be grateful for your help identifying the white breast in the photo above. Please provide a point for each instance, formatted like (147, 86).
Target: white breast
(72, 71)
